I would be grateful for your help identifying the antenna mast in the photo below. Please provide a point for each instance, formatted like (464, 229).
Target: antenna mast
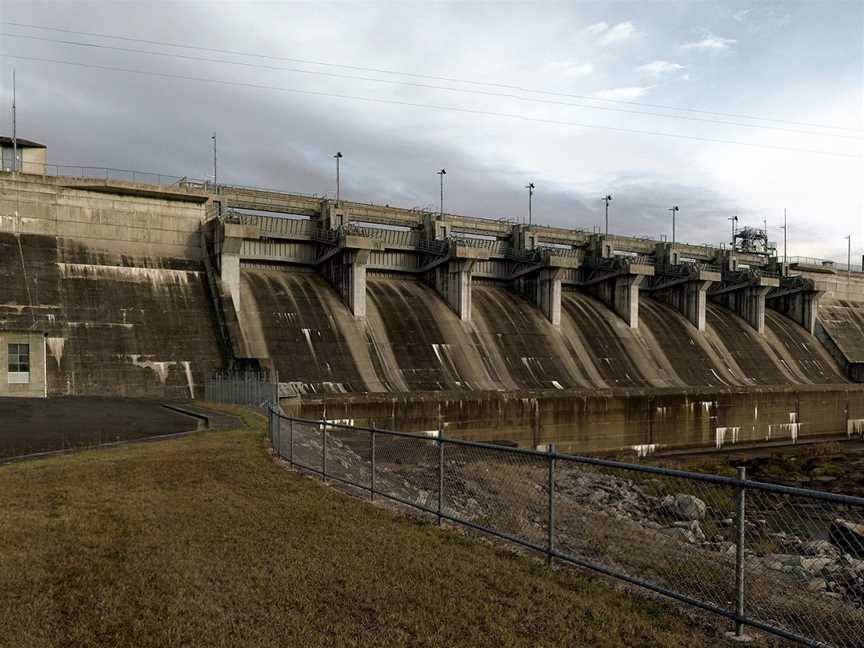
(14, 129)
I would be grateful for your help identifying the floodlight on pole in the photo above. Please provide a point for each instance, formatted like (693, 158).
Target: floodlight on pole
(848, 257)
(338, 157)
(674, 211)
(442, 173)
(607, 199)
(215, 175)
(530, 188)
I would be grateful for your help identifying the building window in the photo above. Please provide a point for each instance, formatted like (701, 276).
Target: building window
(19, 364)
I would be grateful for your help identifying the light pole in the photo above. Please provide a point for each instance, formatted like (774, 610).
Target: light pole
(674, 211)
(215, 176)
(784, 241)
(848, 258)
(338, 157)
(14, 128)
(734, 220)
(442, 173)
(530, 188)
(607, 199)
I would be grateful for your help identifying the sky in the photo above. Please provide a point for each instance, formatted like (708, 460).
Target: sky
(716, 107)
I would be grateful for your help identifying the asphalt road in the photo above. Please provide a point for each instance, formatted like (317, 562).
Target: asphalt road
(32, 425)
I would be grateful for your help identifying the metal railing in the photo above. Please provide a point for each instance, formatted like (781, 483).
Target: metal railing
(108, 173)
(761, 272)
(786, 561)
(685, 268)
(839, 266)
(240, 388)
(435, 246)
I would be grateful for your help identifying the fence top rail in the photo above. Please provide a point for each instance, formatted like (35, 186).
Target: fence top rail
(605, 463)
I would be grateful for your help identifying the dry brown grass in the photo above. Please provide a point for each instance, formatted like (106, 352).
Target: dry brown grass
(206, 541)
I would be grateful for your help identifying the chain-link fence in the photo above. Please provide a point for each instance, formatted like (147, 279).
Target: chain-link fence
(786, 561)
(240, 388)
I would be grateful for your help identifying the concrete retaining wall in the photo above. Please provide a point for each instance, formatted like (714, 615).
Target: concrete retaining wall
(114, 280)
(611, 421)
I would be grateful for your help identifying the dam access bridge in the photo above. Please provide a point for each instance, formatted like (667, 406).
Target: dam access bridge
(419, 320)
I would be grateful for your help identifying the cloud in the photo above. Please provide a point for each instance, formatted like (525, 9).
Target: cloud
(569, 69)
(614, 34)
(740, 16)
(618, 33)
(632, 92)
(659, 68)
(711, 42)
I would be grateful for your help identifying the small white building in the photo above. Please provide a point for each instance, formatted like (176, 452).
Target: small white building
(23, 370)
(32, 156)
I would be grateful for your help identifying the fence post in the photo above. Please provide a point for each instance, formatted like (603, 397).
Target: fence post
(291, 442)
(372, 478)
(739, 553)
(278, 425)
(551, 538)
(324, 450)
(270, 428)
(440, 473)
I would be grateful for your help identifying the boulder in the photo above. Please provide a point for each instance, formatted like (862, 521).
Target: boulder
(782, 562)
(680, 534)
(696, 532)
(848, 537)
(786, 541)
(815, 566)
(820, 548)
(817, 585)
(683, 507)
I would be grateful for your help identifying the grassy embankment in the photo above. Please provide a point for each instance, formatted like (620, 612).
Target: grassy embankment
(206, 541)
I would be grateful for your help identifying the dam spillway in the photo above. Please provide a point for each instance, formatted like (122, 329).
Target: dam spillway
(421, 321)
(411, 341)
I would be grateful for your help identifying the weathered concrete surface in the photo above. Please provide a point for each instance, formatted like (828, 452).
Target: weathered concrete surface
(798, 299)
(116, 325)
(412, 341)
(298, 320)
(346, 270)
(118, 282)
(690, 297)
(29, 425)
(136, 226)
(840, 327)
(643, 421)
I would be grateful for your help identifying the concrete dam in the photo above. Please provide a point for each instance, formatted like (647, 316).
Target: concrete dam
(421, 321)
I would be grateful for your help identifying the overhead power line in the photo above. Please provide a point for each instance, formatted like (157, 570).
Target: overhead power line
(471, 111)
(426, 76)
(426, 86)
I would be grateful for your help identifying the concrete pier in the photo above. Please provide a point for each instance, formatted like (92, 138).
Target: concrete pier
(684, 288)
(230, 253)
(744, 294)
(452, 278)
(344, 265)
(798, 299)
(540, 282)
(616, 283)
